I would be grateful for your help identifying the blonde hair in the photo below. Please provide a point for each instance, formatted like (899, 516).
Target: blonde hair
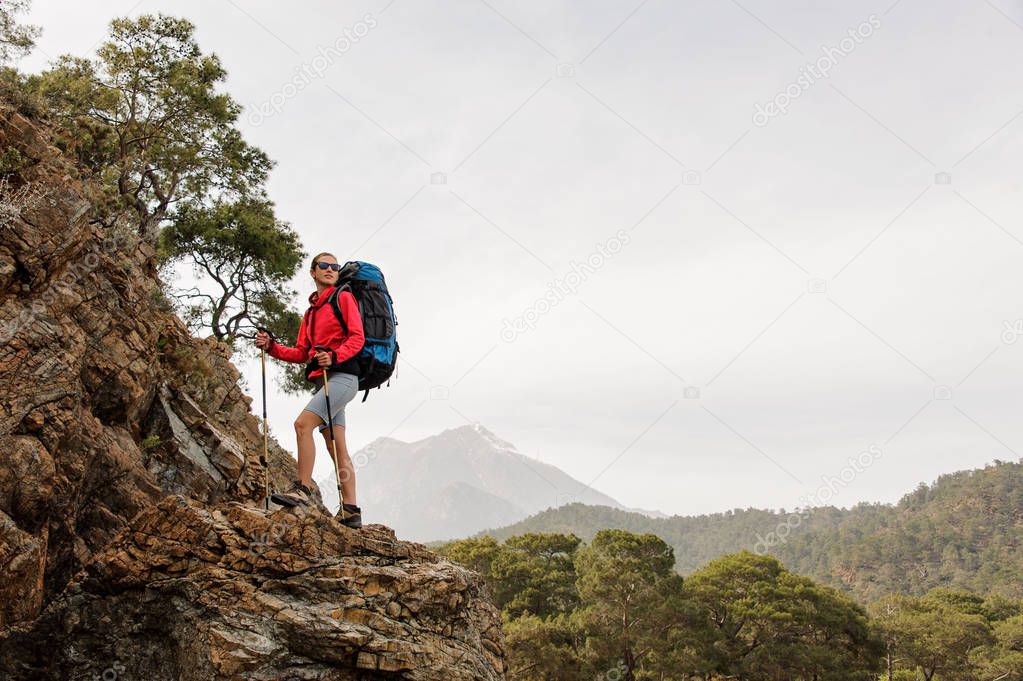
(316, 259)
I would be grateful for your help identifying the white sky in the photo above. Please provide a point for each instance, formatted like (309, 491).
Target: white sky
(717, 287)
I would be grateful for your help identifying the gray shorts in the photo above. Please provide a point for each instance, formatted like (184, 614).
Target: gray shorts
(343, 388)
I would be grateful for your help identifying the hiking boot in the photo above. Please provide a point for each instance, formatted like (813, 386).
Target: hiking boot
(297, 495)
(353, 516)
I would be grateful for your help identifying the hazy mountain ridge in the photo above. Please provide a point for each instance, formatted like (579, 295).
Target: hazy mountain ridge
(456, 483)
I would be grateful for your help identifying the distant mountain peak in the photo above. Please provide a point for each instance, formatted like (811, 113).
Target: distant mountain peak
(458, 482)
(384, 440)
(476, 431)
(479, 428)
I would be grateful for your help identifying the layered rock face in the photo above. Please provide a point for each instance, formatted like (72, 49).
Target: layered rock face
(229, 592)
(133, 540)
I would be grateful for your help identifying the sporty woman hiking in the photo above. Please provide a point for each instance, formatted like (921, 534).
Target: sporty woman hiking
(321, 328)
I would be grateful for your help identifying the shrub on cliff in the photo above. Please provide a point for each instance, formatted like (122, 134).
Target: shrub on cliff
(147, 119)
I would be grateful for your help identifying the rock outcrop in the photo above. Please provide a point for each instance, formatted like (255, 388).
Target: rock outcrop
(229, 592)
(132, 533)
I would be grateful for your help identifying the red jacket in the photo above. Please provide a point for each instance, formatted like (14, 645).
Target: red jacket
(320, 326)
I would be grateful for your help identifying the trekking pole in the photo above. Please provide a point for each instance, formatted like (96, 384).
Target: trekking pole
(333, 444)
(263, 460)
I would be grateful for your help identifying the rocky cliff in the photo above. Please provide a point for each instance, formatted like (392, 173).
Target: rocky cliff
(133, 540)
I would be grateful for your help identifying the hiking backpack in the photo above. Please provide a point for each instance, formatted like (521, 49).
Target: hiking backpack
(379, 355)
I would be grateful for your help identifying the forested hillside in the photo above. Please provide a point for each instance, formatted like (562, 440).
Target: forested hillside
(962, 531)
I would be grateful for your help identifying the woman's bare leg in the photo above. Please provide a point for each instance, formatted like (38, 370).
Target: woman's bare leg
(344, 463)
(305, 424)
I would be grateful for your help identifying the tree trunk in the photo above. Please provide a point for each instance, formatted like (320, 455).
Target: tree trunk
(149, 229)
(627, 656)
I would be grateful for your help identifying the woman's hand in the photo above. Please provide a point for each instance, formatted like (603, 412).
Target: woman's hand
(323, 358)
(263, 340)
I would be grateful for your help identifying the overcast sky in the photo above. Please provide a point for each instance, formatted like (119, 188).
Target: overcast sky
(785, 291)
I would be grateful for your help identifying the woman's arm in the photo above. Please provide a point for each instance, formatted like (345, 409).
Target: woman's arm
(299, 353)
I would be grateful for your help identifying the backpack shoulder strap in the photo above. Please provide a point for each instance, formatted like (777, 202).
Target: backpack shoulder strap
(334, 305)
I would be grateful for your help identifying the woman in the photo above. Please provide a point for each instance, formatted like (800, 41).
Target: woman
(321, 328)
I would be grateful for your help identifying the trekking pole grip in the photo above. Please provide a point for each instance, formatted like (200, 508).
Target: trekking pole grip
(273, 341)
(326, 350)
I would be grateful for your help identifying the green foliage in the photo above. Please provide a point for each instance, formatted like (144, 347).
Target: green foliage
(160, 299)
(15, 93)
(632, 617)
(147, 119)
(11, 161)
(181, 360)
(814, 631)
(541, 649)
(961, 532)
(532, 573)
(997, 608)
(632, 603)
(935, 634)
(16, 39)
(959, 601)
(742, 616)
(537, 575)
(151, 442)
(476, 554)
(247, 255)
(696, 539)
(1003, 658)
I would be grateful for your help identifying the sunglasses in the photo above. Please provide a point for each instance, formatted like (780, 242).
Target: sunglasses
(329, 266)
